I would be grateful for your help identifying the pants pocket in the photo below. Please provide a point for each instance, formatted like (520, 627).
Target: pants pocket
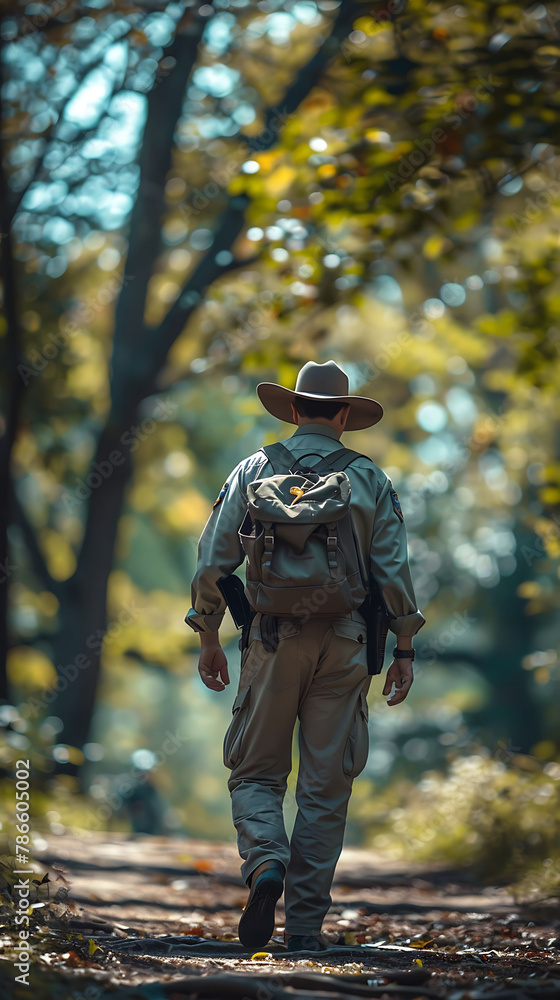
(236, 728)
(357, 745)
(347, 628)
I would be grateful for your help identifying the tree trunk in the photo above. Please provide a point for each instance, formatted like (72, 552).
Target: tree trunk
(13, 393)
(514, 714)
(84, 613)
(513, 718)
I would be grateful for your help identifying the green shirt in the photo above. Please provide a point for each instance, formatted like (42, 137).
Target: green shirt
(379, 524)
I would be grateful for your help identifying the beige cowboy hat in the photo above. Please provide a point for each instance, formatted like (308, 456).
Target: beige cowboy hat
(327, 382)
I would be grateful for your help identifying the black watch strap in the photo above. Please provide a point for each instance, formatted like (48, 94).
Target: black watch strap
(404, 654)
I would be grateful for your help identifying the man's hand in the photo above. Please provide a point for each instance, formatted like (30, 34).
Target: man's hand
(212, 664)
(399, 673)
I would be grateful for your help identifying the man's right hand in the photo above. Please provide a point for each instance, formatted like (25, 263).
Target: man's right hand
(400, 674)
(212, 664)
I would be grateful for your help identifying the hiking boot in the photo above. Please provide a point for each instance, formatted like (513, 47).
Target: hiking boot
(256, 925)
(304, 942)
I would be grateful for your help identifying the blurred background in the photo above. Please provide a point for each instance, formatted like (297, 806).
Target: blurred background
(198, 197)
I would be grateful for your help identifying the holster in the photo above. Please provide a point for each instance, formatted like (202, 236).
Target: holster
(233, 592)
(269, 633)
(377, 621)
(245, 629)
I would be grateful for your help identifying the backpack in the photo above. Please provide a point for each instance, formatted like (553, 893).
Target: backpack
(303, 554)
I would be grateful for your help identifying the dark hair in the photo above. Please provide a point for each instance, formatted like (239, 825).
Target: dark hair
(317, 408)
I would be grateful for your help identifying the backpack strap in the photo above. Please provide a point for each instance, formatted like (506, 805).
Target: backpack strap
(282, 460)
(279, 457)
(338, 460)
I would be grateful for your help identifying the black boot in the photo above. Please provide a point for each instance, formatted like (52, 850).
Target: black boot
(257, 920)
(305, 942)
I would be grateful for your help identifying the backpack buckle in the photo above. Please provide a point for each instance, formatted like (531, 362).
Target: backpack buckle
(268, 543)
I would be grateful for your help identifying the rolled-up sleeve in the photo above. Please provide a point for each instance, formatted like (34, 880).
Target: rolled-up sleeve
(389, 564)
(219, 554)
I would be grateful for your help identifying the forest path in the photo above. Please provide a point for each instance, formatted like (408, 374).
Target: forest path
(147, 914)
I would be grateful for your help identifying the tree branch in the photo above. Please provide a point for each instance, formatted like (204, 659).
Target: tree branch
(306, 78)
(165, 104)
(38, 562)
(188, 287)
(204, 274)
(232, 221)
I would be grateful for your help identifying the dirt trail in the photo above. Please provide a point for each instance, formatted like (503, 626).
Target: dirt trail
(147, 914)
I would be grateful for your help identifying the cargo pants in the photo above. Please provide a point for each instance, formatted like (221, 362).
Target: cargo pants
(317, 674)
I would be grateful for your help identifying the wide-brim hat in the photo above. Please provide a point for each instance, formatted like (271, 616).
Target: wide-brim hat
(326, 382)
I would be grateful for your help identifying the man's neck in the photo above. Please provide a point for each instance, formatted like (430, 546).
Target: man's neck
(315, 427)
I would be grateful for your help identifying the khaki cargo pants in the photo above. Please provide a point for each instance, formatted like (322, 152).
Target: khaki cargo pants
(319, 675)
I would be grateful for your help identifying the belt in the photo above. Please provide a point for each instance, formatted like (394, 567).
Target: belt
(269, 626)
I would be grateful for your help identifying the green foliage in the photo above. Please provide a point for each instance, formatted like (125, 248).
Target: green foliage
(500, 817)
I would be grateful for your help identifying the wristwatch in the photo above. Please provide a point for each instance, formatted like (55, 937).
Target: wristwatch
(404, 654)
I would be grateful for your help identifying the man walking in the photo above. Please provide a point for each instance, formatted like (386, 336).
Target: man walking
(304, 649)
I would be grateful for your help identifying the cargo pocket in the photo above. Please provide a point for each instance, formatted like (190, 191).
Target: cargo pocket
(281, 669)
(357, 744)
(347, 628)
(287, 630)
(236, 728)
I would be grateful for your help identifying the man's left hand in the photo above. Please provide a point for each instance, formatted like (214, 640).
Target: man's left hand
(400, 674)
